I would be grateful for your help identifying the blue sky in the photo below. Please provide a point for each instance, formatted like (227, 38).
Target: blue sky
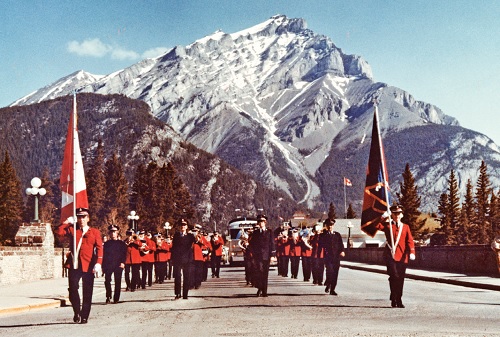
(443, 52)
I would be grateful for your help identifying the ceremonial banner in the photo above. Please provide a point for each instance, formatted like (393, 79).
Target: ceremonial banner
(72, 180)
(377, 197)
(347, 182)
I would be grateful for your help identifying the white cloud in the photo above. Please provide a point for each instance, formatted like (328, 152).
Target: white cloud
(96, 48)
(154, 52)
(89, 47)
(123, 54)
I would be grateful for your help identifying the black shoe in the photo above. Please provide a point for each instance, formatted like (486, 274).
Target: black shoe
(394, 304)
(327, 289)
(320, 283)
(259, 293)
(177, 297)
(108, 300)
(264, 295)
(332, 292)
(84, 321)
(76, 318)
(127, 289)
(184, 297)
(400, 304)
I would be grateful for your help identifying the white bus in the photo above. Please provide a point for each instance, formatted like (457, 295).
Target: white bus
(237, 229)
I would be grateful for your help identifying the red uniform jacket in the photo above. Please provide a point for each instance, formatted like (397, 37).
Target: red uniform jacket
(295, 247)
(217, 246)
(91, 248)
(148, 250)
(198, 247)
(133, 253)
(162, 252)
(405, 246)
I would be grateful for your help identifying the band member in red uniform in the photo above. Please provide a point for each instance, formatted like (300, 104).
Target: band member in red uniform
(113, 263)
(182, 258)
(332, 247)
(397, 260)
(133, 261)
(89, 253)
(147, 250)
(168, 241)
(161, 258)
(318, 265)
(198, 247)
(217, 242)
(295, 251)
(306, 254)
(262, 248)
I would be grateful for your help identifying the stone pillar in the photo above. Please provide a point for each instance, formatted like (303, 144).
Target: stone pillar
(39, 235)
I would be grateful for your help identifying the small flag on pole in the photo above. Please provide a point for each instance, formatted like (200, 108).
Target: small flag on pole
(72, 180)
(377, 197)
(347, 182)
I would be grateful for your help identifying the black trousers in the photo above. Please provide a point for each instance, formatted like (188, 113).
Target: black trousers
(262, 275)
(216, 265)
(294, 265)
(135, 281)
(74, 276)
(396, 271)
(306, 267)
(160, 271)
(318, 270)
(332, 274)
(182, 275)
(147, 274)
(117, 275)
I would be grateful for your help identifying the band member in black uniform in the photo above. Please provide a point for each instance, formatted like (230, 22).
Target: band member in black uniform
(332, 247)
(182, 259)
(115, 254)
(262, 248)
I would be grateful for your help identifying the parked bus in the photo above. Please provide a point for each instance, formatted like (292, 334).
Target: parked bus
(237, 230)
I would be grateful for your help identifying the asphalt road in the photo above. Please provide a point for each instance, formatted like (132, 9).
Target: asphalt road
(227, 307)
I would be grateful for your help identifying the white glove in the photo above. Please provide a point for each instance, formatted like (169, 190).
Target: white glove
(412, 256)
(70, 220)
(387, 214)
(97, 268)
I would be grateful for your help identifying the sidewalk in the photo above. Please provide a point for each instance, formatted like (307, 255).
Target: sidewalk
(53, 293)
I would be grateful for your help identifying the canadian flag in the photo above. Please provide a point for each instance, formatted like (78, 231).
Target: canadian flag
(347, 182)
(72, 180)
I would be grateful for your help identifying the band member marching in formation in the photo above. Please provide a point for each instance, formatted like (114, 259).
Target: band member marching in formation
(89, 254)
(397, 258)
(161, 257)
(262, 249)
(331, 246)
(133, 261)
(295, 252)
(147, 249)
(113, 263)
(182, 258)
(306, 254)
(217, 243)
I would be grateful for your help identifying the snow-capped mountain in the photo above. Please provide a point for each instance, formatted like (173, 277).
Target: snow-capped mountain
(286, 105)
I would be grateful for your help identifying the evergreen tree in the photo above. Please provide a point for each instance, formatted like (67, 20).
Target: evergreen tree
(11, 202)
(495, 213)
(331, 211)
(351, 214)
(166, 196)
(96, 183)
(137, 196)
(410, 201)
(466, 227)
(116, 202)
(443, 212)
(483, 191)
(453, 209)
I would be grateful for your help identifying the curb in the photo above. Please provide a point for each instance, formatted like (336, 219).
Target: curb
(413, 276)
(56, 303)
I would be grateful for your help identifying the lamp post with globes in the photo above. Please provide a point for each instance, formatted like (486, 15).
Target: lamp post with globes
(167, 226)
(35, 191)
(349, 226)
(133, 217)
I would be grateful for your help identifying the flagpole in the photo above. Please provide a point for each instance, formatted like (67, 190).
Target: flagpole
(384, 177)
(345, 201)
(75, 261)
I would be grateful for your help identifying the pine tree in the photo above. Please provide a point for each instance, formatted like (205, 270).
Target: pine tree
(495, 213)
(351, 214)
(331, 211)
(96, 182)
(11, 202)
(410, 201)
(116, 203)
(453, 209)
(443, 211)
(466, 227)
(483, 191)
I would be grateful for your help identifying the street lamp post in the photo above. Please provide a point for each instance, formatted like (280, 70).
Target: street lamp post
(35, 190)
(167, 226)
(133, 217)
(349, 226)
